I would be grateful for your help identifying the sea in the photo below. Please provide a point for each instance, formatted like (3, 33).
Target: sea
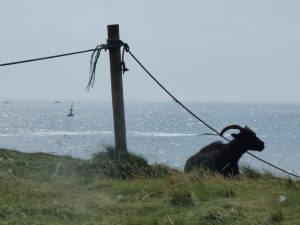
(161, 132)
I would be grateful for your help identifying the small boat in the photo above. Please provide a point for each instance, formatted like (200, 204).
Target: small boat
(71, 111)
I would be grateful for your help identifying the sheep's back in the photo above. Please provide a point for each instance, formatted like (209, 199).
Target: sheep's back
(208, 157)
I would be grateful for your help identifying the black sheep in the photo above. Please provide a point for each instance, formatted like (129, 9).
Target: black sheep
(223, 158)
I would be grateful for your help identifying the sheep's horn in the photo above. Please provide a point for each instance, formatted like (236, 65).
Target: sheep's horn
(231, 127)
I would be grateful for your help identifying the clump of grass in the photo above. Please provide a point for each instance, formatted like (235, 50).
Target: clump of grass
(276, 215)
(227, 193)
(177, 220)
(212, 216)
(181, 198)
(250, 173)
(199, 174)
(291, 185)
(124, 165)
(218, 216)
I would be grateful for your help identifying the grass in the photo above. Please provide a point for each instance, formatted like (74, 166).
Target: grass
(41, 188)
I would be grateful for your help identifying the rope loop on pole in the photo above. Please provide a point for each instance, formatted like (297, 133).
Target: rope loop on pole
(111, 44)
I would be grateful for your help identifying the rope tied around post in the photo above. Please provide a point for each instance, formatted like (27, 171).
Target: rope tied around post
(96, 55)
(123, 65)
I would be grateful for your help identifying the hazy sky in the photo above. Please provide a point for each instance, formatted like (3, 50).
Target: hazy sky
(213, 50)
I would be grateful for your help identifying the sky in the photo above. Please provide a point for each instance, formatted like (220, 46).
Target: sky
(213, 50)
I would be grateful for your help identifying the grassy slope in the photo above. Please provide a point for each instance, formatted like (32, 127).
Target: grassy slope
(46, 189)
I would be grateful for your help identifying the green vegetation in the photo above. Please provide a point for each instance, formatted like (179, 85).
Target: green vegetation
(41, 188)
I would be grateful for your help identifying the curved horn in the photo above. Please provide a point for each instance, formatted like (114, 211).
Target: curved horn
(231, 127)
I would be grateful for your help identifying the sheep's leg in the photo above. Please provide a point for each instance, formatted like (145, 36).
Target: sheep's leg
(235, 170)
(230, 170)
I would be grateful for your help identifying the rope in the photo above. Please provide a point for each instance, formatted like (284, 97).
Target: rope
(199, 119)
(93, 64)
(272, 165)
(123, 65)
(48, 57)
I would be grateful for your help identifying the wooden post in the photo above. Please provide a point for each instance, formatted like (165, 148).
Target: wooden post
(117, 90)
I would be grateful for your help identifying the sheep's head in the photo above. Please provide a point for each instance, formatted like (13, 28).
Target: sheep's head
(246, 137)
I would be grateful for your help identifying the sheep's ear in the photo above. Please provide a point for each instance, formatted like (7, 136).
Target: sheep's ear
(234, 135)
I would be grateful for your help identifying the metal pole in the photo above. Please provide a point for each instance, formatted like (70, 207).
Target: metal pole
(117, 90)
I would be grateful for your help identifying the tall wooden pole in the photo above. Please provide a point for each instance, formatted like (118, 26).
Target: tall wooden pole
(117, 89)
